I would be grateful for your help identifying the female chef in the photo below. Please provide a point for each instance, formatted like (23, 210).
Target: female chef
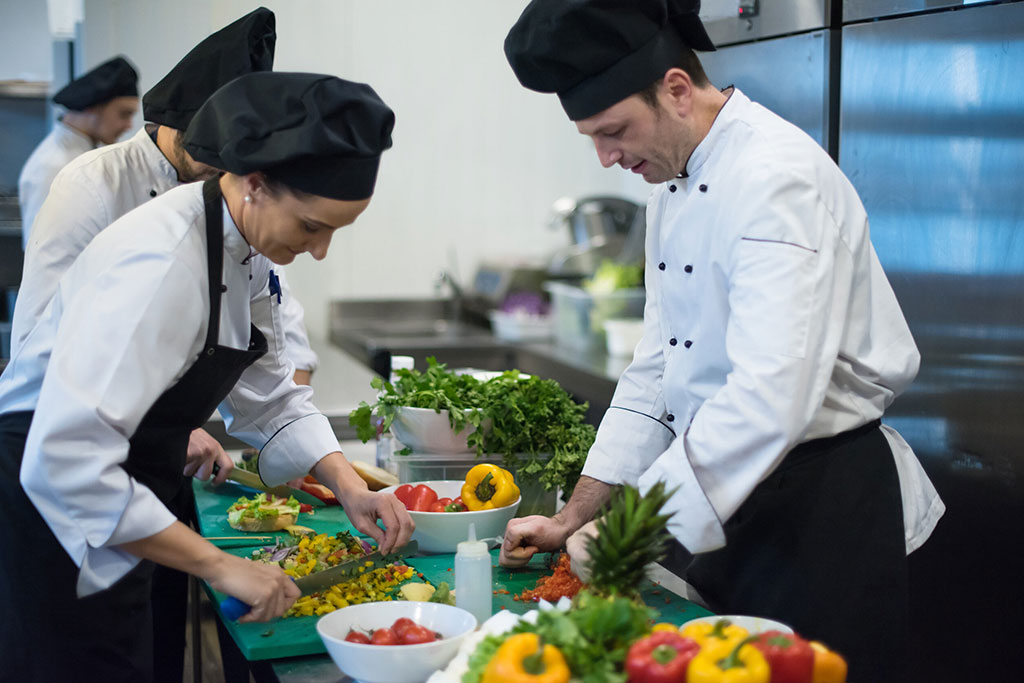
(149, 331)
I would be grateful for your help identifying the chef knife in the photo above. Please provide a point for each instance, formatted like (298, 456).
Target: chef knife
(233, 608)
(253, 481)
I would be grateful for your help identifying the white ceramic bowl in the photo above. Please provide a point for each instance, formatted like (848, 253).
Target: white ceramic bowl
(394, 663)
(441, 532)
(425, 431)
(754, 625)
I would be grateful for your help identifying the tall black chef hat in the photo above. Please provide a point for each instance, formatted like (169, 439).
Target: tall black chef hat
(314, 133)
(594, 53)
(113, 78)
(241, 47)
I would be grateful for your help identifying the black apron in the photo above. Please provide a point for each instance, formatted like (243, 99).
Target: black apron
(48, 633)
(819, 545)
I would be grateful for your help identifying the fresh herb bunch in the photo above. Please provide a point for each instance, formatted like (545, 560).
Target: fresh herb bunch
(526, 417)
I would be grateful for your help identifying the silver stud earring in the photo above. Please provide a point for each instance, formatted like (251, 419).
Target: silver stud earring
(247, 198)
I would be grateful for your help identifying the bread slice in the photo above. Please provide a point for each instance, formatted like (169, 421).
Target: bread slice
(375, 477)
(266, 524)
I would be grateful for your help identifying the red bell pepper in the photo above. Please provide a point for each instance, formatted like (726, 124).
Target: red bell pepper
(404, 494)
(789, 656)
(418, 498)
(661, 657)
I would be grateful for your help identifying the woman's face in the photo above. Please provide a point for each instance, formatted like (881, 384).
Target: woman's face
(283, 225)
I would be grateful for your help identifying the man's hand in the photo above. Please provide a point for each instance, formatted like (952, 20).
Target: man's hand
(525, 536)
(576, 546)
(203, 452)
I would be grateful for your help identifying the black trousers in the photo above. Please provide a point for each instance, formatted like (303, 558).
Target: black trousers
(47, 633)
(819, 545)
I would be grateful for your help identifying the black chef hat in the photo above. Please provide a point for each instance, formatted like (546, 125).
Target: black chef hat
(595, 53)
(241, 47)
(114, 78)
(314, 133)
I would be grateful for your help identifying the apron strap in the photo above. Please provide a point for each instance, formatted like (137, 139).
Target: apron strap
(214, 258)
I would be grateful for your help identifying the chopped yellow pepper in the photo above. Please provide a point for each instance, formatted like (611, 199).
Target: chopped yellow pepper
(489, 486)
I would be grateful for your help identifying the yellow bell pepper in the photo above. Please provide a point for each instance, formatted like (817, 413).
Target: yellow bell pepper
(521, 659)
(487, 487)
(722, 632)
(664, 626)
(744, 664)
(829, 667)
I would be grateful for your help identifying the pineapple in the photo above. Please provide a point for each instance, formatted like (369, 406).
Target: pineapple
(630, 535)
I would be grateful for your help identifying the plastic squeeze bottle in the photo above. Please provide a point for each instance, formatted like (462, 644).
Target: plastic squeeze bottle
(473, 586)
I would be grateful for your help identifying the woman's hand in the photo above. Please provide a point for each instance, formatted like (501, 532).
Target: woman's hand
(264, 587)
(365, 507)
(203, 452)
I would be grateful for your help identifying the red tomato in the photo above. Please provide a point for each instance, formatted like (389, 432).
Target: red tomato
(416, 634)
(402, 625)
(384, 636)
(357, 637)
(305, 507)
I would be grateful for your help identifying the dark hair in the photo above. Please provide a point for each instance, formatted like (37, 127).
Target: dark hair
(689, 63)
(276, 188)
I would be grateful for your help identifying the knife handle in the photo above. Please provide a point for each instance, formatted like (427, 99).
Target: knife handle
(233, 608)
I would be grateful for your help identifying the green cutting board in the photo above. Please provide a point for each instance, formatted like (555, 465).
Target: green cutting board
(297, 635)
(212, 503)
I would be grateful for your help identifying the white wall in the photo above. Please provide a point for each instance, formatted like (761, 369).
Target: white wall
(477, 159)
(25, 47)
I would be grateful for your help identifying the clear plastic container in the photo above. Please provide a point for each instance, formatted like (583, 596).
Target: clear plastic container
(580, 315)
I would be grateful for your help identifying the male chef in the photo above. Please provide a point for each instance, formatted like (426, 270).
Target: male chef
(101, 186)
(99, 107)
(772, 341)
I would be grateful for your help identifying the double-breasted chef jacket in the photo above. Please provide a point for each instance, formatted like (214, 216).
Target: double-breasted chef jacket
(58, 148)
(127, 320)
(90, 194)
(769, 322)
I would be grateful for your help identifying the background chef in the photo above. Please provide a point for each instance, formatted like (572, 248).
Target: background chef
(99, 106)
(149, 330)
(772, 341)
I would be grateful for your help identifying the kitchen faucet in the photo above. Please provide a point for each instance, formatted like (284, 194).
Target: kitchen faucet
(455, 302)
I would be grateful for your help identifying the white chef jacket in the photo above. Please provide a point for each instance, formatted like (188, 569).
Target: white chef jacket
(57, 149)
(768, 322)
(87, 196)
(126, 322)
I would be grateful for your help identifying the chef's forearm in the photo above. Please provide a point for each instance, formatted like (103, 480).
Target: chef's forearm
(334, 471)
(180, 548)
(586, 501)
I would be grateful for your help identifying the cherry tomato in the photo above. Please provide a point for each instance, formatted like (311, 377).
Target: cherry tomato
(416, 634)
(402, 625)
(357, 637)
(305, 507)
(384, 636)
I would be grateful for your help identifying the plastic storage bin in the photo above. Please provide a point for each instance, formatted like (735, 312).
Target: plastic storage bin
(579, 315)
(426, 467)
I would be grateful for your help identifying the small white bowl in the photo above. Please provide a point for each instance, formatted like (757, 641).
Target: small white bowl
(754, 625)
(426, 431)
(441, 532)
(394, 663)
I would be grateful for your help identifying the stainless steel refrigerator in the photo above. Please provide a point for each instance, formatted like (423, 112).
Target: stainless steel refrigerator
(922, 104)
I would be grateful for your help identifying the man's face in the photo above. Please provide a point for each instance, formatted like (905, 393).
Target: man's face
(113, 118)
(189, 170)
(651, 141)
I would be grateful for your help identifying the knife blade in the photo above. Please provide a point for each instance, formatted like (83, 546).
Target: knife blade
(233, 608)
(253, 481)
